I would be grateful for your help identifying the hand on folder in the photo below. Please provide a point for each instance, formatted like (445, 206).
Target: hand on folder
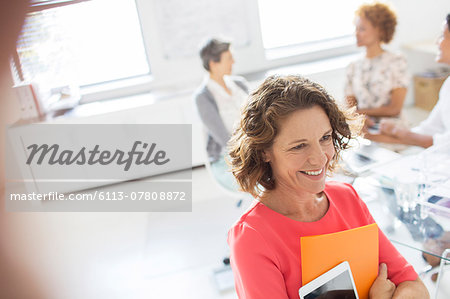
(382, 287)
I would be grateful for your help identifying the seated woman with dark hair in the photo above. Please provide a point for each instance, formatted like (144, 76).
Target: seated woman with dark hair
(218, 101)
(289, 138)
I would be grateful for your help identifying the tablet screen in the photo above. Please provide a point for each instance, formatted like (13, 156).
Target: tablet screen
(339, 287)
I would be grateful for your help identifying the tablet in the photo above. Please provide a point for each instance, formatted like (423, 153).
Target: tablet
(335, 283)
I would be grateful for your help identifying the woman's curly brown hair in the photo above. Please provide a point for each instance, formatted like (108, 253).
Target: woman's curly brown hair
(381, 16)
(274, 100)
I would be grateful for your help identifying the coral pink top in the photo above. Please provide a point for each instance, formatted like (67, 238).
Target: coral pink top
(265, 245)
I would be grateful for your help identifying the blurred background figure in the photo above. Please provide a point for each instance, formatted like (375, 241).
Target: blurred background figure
(377, 83)
(218, 101)
(436, 128)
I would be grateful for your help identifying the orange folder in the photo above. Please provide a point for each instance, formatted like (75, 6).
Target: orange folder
(358, 246)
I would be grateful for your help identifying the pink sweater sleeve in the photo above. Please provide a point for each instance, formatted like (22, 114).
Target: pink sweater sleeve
(399, 270)
(258, 274)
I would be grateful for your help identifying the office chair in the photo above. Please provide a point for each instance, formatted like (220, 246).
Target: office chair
(224, 276)
(229, 190)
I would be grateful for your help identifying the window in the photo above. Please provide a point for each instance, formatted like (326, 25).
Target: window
(80, 42)
(102, 46)
(311, 25)
(183, 25)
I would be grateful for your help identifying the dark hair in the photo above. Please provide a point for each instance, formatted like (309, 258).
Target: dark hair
(275, 99)
(381, 16)
(212, 49)
(448, 21)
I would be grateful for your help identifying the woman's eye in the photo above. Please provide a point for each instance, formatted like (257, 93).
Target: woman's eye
(326, 137)
(300, 146)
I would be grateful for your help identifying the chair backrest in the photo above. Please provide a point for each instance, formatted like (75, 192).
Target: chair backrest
(229, 191)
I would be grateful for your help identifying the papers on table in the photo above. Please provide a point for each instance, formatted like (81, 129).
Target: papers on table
(365, 155)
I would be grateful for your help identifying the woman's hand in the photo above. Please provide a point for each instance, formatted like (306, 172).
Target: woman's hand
(382, 287)
(389, 127)
(351, 101)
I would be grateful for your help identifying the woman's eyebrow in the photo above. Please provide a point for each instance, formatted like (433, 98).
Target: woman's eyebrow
(297, 141)
(304, 140)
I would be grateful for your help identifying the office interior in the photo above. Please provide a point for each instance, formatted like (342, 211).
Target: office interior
(180, 254)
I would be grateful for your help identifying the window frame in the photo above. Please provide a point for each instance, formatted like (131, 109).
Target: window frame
(92, 92)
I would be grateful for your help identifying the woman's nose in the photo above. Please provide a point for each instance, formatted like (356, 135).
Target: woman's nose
(317, 156)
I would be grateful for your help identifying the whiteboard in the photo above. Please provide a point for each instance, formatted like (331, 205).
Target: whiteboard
(184, 25)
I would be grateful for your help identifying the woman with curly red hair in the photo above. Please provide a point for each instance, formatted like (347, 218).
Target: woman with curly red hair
(376, 83)
(289, 139)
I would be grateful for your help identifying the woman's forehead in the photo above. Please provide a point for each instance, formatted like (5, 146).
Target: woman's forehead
(304, 122)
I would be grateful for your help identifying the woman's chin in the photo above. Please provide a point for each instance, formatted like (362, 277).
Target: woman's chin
(315, 188)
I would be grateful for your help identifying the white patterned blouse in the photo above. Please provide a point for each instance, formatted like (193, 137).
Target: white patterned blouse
(371, 80)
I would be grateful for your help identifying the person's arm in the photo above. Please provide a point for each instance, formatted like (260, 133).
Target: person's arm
(210, 116)
(434, 125)
(349, 93)
(383, 288)
(397, 134)
(392, 109)
(255, 266)
(382, 138)
(411, 289)
(411, 138)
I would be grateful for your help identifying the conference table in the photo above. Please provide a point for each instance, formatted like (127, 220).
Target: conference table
(408, 196)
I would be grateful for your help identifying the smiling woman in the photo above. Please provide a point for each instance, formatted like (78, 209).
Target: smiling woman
(290, 136)
(267, 121)
(301, 152)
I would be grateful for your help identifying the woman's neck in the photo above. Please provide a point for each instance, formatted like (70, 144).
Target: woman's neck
(219, 79)
(305, 207)
(374, 50)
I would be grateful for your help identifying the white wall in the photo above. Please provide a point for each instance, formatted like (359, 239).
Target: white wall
(419, 20)
(189, 70)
